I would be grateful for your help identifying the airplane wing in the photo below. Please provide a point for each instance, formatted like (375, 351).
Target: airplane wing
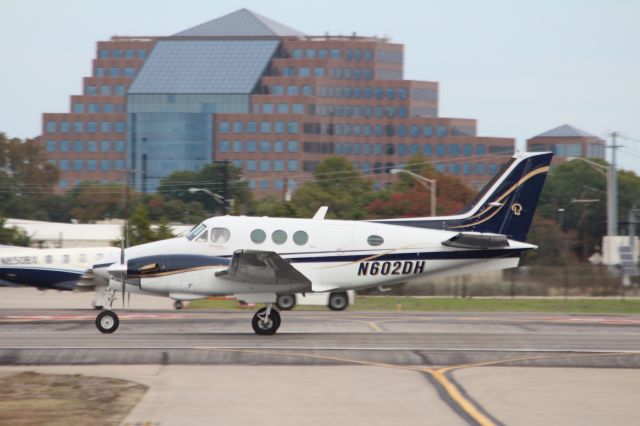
(477, 240)
(262, 267)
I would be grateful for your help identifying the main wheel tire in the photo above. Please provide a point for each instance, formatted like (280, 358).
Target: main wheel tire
(338, 301)
(107, 322)
(286, 302)
(178, 304)
(266, 328)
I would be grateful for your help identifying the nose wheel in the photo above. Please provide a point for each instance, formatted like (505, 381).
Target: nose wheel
(107, 322)
(266, 321)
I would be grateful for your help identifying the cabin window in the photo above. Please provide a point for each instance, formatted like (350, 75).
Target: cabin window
(279, 237)
(258, 236)
(220, 235)
(48, 259)
(82, 258)
(300, 238)
(65, 258)
(204, 237)
(375, 240)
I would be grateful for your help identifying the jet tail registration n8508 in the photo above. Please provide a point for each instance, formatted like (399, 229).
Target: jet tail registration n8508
(258, 258)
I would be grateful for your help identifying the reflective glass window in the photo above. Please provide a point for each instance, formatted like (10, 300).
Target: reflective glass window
(237, 127)
(78, 165)
(278, 165)
(91, 165)
(220, 235)
(442, 131)
(78, 146)
(300, 238)
(292, 146)
(427, 149)
(292, 165)
(454, 149)
(265, 127)
(265, 165)
(51, 146)
(251, 165)
(105, 165)
(428, 131)
(278, 146)
(223, 146)
(252, 146)
(265, 146)
(105, 146)
(237, 146)
(441, 149)
(375, 240)
(223, 127)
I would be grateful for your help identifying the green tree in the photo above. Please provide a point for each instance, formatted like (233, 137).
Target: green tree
(211, 178)
(337, 185)
(140, 231)
(13, 236)
(91, 200)
(25, 176)
(273, 206)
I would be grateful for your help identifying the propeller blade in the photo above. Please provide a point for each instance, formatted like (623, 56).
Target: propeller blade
(122, 276)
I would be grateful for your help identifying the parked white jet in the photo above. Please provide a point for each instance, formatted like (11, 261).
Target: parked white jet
(257, 258)
(52, 269)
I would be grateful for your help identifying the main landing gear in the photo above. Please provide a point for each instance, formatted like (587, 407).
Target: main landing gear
(266, 321)
(107, 321)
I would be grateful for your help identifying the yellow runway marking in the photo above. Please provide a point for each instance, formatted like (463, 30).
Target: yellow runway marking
(439, 374)
(375, 327)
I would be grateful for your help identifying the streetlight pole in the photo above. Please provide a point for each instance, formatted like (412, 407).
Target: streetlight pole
(426, 182)
(216, 197)
(612, 199)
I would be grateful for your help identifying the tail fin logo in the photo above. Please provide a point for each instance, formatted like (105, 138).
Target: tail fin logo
(516, 209)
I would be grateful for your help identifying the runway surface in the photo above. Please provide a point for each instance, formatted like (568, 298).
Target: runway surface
(318, 337)
(369, 368)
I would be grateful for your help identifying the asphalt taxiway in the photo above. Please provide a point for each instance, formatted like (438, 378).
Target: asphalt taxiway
(346, 367)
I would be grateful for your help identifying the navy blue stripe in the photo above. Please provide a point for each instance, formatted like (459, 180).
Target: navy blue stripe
(452, 255)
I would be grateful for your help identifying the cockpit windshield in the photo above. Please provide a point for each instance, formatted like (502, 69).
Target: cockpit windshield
(195, 232)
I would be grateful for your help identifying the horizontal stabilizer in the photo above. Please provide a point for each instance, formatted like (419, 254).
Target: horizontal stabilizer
(474, 240)
(261, 267)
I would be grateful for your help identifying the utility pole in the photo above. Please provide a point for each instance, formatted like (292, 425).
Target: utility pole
(225, 183)
(612, 207)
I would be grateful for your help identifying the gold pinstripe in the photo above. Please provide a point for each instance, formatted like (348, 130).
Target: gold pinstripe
(505, 195)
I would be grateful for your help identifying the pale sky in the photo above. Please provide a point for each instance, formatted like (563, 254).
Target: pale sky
(518, 67)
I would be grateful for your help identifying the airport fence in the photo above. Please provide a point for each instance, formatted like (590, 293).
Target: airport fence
(540, 281)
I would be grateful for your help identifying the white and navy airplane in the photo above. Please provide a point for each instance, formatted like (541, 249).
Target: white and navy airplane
(255, 259)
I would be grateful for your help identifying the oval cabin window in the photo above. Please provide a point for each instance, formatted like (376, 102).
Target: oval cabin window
(375, 240)
(258, 236)
(300, 238)
(279, 237)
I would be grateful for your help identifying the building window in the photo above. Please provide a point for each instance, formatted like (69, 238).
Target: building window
(402, 111)
(64, 127)
(91, 165)
(480, 149)
(454, 149)
(51, 127)
(51, 146)
(292, 90)
(265, 127)
(237, 127)
(105, 146)
(283, 108)
(265, 146)
(402, 149)
(252, 146)
(492, 169)
(129, 54)
(442, 131)
(78, 165)
(278, 146)
(278, 165)
(119, 89)
(142, 54)
(318, 72)
(223, 146)
(92, 146)
(335, 53)
(390, 94)
(223, 127)
(118, 164)
(292, 166)
(119, 146)
(105, 127)
(251, 165)
(379, 93)
(267, 108)
(130, 72)
(441, 150)
(90, 89)
(116, 54)
(105, 90)
(64, 165)
(428, 131)
(94, 108)
(64, 146)
(265, 165)
(427, 149)
(278, 127)
(114, 72)
(119, 126)
(78, 108)
(402, 130)
(264, 185)
(104, 165)
(298, 109)
(304, 72)
(467, 150)
(479, 168)
(78, 146)
(237, 146)
(251, 127)
(103, 53)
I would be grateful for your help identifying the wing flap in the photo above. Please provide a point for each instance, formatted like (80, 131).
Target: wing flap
(261, 267)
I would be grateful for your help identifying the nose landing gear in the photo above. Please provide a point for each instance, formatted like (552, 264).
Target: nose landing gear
(107, 321)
